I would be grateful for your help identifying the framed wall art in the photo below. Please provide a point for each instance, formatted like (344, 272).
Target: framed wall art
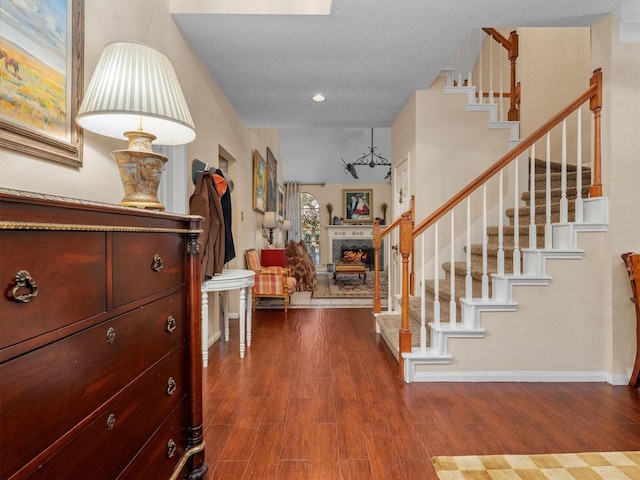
(42, 78)
(280, 202)
(259, 182)
(272, 182)
(357, 205)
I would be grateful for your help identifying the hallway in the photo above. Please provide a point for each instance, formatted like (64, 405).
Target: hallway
(318, 397)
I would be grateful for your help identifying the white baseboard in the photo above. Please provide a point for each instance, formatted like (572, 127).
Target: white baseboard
(514, 376)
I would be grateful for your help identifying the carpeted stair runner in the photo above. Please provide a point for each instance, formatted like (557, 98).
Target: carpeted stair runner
(390, 323)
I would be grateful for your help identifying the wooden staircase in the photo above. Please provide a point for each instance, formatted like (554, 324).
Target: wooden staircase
(389, 323)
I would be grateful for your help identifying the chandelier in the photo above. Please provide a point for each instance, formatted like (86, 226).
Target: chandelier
(371, 158)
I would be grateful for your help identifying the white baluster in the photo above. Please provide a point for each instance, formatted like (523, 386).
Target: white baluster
(579, 201)
(516, 221)
(491, 42)
(500, 256)
(480, 98)
(485, 246)
(468, 280)
(501, 100)
(532, 199)
(452, 276)
(564, 203)
(436, 280)
(423, 306)
(459, 68)
(469, 73)
(548, 239)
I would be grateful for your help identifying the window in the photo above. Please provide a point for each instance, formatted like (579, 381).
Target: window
(310, 221)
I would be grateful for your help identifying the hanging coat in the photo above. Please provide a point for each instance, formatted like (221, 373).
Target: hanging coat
(206, 203)
(225, 200)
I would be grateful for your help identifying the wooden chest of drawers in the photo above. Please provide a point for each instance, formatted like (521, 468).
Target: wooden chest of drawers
(100, 368)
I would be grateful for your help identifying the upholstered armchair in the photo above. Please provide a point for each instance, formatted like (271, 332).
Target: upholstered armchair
(270, 282)
(301, 266)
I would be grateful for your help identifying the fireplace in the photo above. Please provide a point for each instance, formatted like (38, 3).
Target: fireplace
(355, 238)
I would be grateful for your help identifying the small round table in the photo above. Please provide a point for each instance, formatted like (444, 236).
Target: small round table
(229, 279)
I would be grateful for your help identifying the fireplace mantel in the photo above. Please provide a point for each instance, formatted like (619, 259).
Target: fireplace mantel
(351, 235)
(350, 231)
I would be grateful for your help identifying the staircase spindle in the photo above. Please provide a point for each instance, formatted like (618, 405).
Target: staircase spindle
(436, 280)
(579, 203)
(491, 42)
(516, 220)
(500, 256)
(423, 306)
(485, 246)
(468, 280)
(532, 198)
(548, 239)
(480, 98)
(459, 68)
(501, 99)
(452, 274)
(564, 203)
(469, 72)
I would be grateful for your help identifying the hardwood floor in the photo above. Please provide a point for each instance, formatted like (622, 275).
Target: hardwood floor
(318, 397)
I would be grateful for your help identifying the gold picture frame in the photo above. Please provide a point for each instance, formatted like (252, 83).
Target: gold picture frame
(58, 138)
(357, 205)
(259, 182)
(272, 182)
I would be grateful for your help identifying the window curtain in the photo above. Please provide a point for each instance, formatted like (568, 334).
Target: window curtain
(292, 208)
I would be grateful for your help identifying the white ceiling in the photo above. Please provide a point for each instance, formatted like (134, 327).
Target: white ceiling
(366, 56)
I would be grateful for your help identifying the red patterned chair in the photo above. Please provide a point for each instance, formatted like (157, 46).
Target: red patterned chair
(270, 282)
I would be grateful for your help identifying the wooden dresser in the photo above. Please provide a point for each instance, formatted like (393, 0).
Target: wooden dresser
(100, 358)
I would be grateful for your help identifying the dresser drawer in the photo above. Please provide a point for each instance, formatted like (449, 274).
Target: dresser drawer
(68, 269)
(44, 394)
(161, 454)
(110, 442)
(146, 263)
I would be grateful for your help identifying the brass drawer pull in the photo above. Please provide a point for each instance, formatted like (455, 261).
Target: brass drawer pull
(111, 421)
(171, 324)
(23, 279)
(171, 448)
(157, 264)
(171, 386)
(111, 335)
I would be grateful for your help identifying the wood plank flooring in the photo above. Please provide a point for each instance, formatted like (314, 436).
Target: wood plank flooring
(317, 396)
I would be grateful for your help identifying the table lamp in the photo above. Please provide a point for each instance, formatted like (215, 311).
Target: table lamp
(270, 222)
(286, 226)
(135, 93)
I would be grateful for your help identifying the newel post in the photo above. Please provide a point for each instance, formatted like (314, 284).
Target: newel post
(595, 105)
(513, 114)
(406, 246)
(377, 242)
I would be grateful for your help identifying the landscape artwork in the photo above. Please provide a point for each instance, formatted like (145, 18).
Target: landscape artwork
(40, 62)
(259, 182)
(272, 182)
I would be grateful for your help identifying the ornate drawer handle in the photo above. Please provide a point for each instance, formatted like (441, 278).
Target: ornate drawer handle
(157, 264)
(111, 335)
(171, 324)
(111, 421)
(171, 448)
(23, 279)
(171, 386)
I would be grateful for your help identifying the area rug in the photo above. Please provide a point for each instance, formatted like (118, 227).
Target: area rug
(578, 466)
(348, 286)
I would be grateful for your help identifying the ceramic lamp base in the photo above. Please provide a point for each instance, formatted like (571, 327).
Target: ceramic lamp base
(140, 172)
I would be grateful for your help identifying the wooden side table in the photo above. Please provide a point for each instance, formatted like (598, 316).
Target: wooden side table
(273, 257)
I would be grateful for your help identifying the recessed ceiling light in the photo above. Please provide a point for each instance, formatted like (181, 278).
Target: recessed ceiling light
(318, 98)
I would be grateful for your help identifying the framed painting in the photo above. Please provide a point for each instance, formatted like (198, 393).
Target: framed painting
(41, 78)
(280, 202)
(272, 182)
(259, 182)
(357, 205)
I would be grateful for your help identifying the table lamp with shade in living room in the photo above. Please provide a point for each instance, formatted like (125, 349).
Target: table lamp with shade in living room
(135, 93)
(270, 222)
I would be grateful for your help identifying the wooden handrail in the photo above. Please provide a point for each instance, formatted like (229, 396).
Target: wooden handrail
(593, 92)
